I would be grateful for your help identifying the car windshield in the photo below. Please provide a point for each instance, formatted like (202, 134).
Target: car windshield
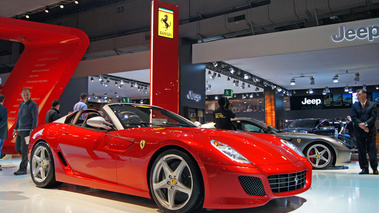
(268, 127)
(303, 124)
(132, 116)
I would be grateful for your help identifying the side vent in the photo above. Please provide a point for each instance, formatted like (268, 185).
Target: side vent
(62, 159)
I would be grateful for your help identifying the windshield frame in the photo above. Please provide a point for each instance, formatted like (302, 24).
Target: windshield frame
(140, 110)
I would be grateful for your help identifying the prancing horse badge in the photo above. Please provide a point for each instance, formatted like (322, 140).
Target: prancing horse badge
(142, 144)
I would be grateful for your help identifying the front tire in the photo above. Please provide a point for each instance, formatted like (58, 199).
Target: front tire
(42, 166)
(320, 156)
(175, 182)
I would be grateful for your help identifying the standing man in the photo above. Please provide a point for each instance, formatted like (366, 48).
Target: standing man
(364, 115)
(27, 120)
(3, 124)
(81, 105)
(222, 115)
(53, 113)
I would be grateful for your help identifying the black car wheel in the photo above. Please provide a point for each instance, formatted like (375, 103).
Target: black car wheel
(175, 182)
(42, 166)
(320, 156)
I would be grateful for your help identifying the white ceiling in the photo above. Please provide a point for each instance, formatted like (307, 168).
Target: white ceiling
(322, 65)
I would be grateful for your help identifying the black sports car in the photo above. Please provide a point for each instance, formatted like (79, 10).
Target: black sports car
(322, 151)
(312, 125)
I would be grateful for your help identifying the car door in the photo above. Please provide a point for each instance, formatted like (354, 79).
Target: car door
(89, 151)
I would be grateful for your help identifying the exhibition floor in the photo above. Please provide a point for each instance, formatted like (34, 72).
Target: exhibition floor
(333, 190)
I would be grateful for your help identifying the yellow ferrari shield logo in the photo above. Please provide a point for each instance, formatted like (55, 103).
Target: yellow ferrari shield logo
(298, 140)
(166, 23)
(142, 144)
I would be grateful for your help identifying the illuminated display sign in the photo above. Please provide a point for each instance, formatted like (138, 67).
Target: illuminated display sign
(165, 23)
(193, 96)
(228, 93)
(311, 101)
(370, 33)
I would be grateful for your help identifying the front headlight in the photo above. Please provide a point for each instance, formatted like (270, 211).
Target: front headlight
(229, 151)
(293, 147)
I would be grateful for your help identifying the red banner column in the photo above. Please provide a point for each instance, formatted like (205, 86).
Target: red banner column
(164, 63)
(46, 65)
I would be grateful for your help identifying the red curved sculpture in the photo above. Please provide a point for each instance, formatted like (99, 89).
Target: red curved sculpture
(46, 65)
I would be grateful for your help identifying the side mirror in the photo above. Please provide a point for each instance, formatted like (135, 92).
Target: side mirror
(99, 122)
(198, 124)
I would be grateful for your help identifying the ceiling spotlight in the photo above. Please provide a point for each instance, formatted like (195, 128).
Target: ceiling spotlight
(273, 86)
(248, 86)
(350, 90)
(209, 73)
(256, 89)
(131, 85)
(246, 76)
(215, 64)
(216, 97)
(251, 95)
(356, 76)
(228, 79)
(310, 91)
(46, 10)
(61, 6)
(377, 87)
(327, 90)
(92, 79)
(100, 78)
(116, 83)
(335, 79)
(236, 83)
(120, 86)
(279, 89)
(115, 93)
(231, 70)
(293, 82)
(27, 16)
(265, 84)
(312, 81)
(76, 2)
(208, 87)
(243, 85)
(364, 87)
(122, 82)
(219, 75)
(324, 91)
(346, 89)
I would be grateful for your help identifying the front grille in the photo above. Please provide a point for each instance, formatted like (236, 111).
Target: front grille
(252, 185)
(287, 182)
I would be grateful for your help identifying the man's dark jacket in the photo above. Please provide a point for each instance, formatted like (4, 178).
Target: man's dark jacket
(51, 115)
(3, 122)
(368, 115)
(222, 116)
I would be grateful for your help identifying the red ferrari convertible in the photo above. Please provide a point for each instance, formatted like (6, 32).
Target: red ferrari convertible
(150, 152)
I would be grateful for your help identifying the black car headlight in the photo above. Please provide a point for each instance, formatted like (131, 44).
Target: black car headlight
(293, 147)
(230, 152)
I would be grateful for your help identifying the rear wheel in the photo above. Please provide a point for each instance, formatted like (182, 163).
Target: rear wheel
(42, 166)
(320, 156)
(175, 182)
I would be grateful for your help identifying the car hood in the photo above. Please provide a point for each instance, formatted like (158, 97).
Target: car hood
(258, 148)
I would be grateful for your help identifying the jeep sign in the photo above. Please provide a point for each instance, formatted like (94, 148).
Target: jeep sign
(311, 101)
(370, 33)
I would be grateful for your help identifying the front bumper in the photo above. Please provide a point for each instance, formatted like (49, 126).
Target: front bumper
(232, 187)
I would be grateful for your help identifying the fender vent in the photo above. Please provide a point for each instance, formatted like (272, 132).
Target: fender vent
(62, 159)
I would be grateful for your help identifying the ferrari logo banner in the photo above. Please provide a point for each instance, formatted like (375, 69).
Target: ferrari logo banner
(166, 23)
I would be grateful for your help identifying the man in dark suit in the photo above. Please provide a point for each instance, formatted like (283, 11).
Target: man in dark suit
(3, 124)
(364, 115)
